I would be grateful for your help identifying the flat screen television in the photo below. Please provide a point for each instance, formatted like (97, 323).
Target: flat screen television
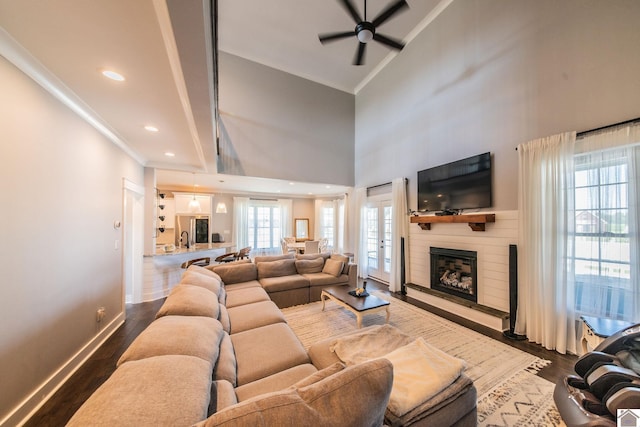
(464, 184)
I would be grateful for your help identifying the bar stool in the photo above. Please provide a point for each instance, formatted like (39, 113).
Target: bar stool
(202, 262)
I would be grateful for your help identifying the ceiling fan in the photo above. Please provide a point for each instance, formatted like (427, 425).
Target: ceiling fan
(365, 30)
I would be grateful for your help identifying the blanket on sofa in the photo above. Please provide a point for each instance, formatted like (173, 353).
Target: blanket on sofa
(420, 371)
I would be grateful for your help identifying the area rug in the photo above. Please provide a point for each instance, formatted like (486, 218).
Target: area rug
(497, 369)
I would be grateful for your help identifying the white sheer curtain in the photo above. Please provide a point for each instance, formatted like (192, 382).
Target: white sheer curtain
(607, 204)
(545, 201)
(330, 226)
(399, 226)
(318, 223)
(361, 255)
(241, 222)
(286, 217)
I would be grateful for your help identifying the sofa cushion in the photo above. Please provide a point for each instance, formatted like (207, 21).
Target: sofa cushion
(202, 270)
(333, 267)
(263, 351)
(189, 300)
(226, 366)
(314, 265)
(187, 335)
(324, 279)
(276, 382)
(324, 255)
(320, 375)
(270, 258)
(250, 316)
(222, 395)
(197, 279)
(236, 273)
(243, 296)
(284, 283)
(243, 285)
(283, 267)
(224, 319)
(161, 390)
(344, 259)
(356, 396)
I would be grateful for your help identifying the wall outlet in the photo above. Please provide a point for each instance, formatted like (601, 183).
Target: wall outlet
(100, 314)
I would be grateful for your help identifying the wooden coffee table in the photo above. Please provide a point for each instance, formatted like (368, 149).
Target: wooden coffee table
(357, 305)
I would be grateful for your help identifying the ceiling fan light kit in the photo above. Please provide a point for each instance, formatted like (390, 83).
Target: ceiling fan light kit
(365, 31)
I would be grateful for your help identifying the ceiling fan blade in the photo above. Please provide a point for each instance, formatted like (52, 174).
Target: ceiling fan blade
(335, 36)
(359, 59)
(396, 44)
(389, 12)
(352, 10)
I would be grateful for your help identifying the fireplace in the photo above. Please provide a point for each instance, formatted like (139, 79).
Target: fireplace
(455, 272)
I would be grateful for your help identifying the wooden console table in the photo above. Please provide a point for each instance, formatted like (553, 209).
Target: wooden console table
(476, 221)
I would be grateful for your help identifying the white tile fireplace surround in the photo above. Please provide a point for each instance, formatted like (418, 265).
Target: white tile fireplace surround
(492, 246)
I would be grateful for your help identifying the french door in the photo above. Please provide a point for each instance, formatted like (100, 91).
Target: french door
(379, 239)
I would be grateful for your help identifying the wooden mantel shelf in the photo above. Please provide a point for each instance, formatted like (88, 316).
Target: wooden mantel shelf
(475, 221)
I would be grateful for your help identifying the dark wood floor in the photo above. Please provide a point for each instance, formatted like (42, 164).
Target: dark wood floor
(66, 401)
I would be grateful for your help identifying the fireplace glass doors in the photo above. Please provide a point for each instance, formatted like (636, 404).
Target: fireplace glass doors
(454, 272)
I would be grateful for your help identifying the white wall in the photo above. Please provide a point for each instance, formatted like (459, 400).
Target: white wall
(276, 125)
(61, 190)
(487, 75)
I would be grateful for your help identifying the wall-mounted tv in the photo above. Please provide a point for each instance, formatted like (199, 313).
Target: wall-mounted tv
(464, 184)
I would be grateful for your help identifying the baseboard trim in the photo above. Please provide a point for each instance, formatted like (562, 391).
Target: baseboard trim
(25, 410)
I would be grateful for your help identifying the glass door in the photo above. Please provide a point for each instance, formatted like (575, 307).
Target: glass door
(379, 240)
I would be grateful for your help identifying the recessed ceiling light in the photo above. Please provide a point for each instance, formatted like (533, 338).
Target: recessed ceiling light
(292, 183)
(110, 74)
(169, 154)
(151, 128)
(327, 186)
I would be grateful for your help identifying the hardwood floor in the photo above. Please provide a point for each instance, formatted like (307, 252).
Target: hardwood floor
(66, 401)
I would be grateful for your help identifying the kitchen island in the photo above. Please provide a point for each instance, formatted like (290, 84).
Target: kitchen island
(162, 269)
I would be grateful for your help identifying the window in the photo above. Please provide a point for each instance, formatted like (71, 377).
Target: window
(602, 243)
(327, 223)
(265, 229)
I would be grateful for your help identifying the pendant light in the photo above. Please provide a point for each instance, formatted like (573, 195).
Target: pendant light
(194, 204)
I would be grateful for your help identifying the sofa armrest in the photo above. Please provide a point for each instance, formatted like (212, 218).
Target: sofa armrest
(353, 275)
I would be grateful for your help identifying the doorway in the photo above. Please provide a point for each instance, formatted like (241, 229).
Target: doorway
(379, 241)
(133, 242)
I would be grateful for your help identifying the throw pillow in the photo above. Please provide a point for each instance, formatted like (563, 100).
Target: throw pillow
(344, 259)
(333, 267)
(306, 266)
(335, 400)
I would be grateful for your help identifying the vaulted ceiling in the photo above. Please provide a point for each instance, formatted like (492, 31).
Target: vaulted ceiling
(163, 49)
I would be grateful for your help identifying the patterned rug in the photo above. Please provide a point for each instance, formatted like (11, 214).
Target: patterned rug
(497, 370)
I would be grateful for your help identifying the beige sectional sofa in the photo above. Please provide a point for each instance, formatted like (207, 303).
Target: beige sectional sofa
(221, 353)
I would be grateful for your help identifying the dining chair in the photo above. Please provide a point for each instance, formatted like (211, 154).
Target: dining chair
(323, 245)
(311, 247)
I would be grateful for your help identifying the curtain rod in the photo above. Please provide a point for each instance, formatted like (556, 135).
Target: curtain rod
(382, 185)
(626, 122)
(586, 132)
